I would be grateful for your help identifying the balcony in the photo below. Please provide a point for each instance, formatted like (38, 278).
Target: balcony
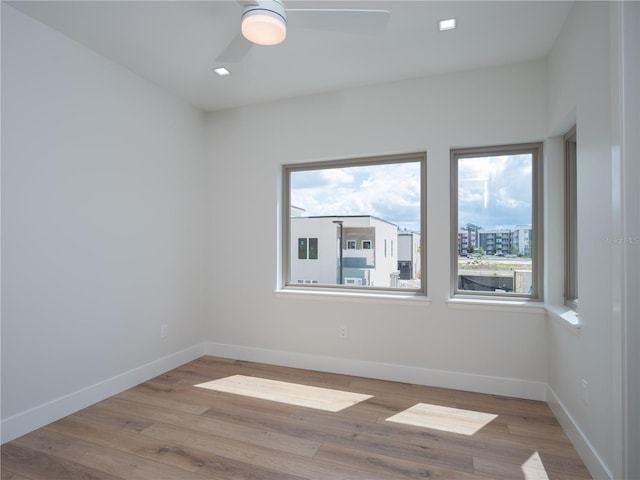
(359, 258)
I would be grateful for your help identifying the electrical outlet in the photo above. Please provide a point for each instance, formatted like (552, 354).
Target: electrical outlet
(164, 330)
(343, 331)
(585, 392)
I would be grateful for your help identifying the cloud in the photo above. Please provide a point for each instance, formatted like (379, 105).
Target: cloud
(495, 191)
(492, 191)
(390, 192)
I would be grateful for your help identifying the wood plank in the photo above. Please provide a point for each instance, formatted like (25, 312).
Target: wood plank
(259, 456)
(391, 467)
(529, 470)
(145, 447)
(150, 394)
(7, 475)
(255, 435)
(37, 465)
(121, 464)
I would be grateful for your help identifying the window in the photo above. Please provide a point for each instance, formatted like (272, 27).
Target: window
(307, 248)
(571, 220)
(496, 205)
(347, 215)
(313, 249)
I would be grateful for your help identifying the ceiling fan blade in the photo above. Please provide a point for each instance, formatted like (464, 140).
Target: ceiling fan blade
(236, 50)
(351, 21)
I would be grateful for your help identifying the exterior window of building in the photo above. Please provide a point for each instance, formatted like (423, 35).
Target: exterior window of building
(347, 215)
(496, 228)
(302, 248)
(307, 248)
(313, 249)
(571, 220)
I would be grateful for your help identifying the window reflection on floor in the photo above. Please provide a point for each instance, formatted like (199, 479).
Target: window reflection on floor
(448, 419)
(291, 393)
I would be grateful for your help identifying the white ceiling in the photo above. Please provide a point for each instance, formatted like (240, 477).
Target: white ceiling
(175, 44)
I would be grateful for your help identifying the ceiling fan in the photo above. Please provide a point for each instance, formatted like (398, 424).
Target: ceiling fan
(264, 22)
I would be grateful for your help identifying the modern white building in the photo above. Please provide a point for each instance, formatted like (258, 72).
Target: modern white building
(369, 248)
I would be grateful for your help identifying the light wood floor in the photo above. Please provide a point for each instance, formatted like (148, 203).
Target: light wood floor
(167, 428)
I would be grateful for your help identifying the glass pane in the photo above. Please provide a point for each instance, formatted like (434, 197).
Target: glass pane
(349, 211)
(495, 235)
(302, 248)
(313, 249)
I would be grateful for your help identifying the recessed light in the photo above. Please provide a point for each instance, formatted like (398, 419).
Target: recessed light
(221, 71)
(447, 24)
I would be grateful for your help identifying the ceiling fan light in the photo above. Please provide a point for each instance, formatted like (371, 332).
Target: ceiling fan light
(264, 27)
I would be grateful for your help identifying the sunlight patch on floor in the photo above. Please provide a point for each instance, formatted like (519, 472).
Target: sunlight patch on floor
(533, 468)
(285, 392)
(448, 419)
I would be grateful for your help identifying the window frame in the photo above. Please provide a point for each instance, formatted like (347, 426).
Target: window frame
(537, 224)
(571, 291)
(287, 169)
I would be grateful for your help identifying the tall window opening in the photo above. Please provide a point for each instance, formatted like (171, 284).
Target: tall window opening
(496, 237)
(570, 220)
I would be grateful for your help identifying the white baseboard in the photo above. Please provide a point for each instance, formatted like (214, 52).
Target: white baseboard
(400, 373)
(597, 468)
(34, 418)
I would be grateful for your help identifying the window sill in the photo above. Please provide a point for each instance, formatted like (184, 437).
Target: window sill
(560, 314)
(408, 298)
(565, 317)
(498, 304)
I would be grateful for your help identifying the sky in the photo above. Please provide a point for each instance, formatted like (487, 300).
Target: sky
(390, 192)
(492, 192)
(495, 192)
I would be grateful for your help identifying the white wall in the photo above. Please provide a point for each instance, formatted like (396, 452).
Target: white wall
(103, 224)
(580, 91)
(323, 268)
(248, 146)
(626, 125)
